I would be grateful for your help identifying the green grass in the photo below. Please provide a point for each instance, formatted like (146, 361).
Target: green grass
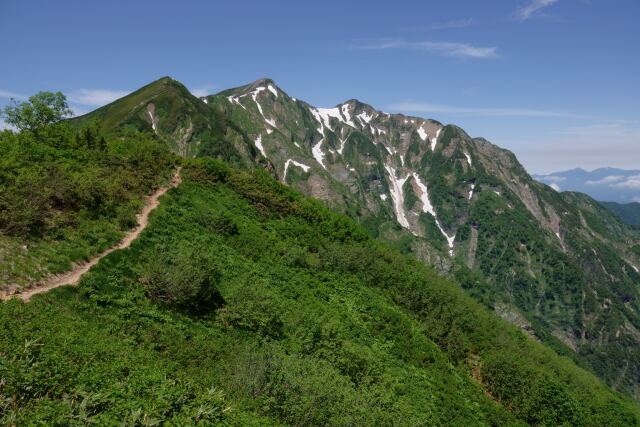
(317, 324)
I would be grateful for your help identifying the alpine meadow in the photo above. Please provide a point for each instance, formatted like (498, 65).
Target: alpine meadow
(175, 255)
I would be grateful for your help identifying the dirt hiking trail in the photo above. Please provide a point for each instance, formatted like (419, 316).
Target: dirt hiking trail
(73, 276)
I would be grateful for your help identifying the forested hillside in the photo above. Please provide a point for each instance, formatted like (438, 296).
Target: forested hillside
(246, 303)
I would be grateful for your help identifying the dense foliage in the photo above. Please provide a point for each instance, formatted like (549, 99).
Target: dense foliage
(315, 324)
(67, 194)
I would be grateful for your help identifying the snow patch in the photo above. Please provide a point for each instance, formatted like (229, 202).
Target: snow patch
(468, 157)
(235, 100)
(497, 192)
(422, 133)
(323, 115)
(205, 100)
(427, 207)
(434, 140)
(318, 154)
(383, 197)
(297, 145)
(342, 143)
(397, 196)
(347, 116)
(254, 95)
(635, 268)
(364, 117)
(258, 143)
(471, 191)
(558, 236)
(273, 90)
(291, 161)
(153, 121)
(269, 131)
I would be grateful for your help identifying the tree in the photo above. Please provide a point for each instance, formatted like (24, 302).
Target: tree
(41, 109)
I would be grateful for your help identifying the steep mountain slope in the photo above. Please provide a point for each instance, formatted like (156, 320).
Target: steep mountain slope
(244, 303)
(167, 109)
(556, 264)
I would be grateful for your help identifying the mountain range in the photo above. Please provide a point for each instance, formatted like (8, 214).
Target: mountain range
(558, 265)
(604, 184)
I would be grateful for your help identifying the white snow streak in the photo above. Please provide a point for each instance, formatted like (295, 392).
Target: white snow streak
(497, 192)
(397, 195)
(318, 154)
(342, 143)
(427, 207)
(324, 114)
(258, 143)
(635, 268)
(468, 157)
(273, 90)
(422, 133)
(235, 100)
(471, 191)
(291, 161)
(153, 122)
(435, 140)
(205, 100)
(297, 145)
(347, 116)
(254, 95)
(383, 197)
(364, 117)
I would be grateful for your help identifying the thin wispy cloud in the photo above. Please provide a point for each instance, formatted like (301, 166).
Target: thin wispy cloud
(7, 94)
(606, 180)
(552, 178)
(497, 112)
(447, 25)
(96, 97)
(531, 9)
(631, 182)
(617, 129)
(459, 50)
(202, 90)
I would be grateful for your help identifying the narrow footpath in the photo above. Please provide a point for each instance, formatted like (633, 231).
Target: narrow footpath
(73, 276)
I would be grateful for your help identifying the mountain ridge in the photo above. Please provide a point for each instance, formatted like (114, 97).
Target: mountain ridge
(558, 262)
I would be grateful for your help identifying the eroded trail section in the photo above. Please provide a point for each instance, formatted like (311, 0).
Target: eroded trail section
(72, 277)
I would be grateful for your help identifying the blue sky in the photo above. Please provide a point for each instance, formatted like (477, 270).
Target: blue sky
(556, 81)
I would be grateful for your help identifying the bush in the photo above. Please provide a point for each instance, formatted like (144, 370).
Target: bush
(184, 278)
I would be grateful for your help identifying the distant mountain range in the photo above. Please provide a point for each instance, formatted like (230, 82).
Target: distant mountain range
(604, 184)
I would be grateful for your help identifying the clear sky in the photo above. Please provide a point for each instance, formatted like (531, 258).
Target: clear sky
(556, 81)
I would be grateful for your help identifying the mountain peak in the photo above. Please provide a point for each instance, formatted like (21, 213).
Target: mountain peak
(260, 83)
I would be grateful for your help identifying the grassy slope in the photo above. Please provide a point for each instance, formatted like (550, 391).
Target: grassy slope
(320, 325)
(71, 197)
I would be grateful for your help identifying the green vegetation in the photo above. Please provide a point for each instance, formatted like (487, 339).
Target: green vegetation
(67, 194)
(41, 110)
(292, 315)
(629, 213)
